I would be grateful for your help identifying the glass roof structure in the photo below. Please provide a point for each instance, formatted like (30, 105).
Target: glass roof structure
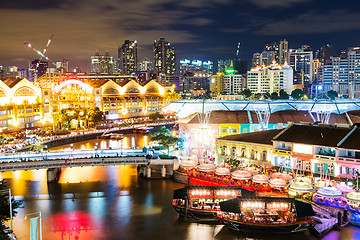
(184, 108)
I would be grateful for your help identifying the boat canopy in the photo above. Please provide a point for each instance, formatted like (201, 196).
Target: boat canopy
(344, 188)
(303, 209)
(260, 178)
(206, 167)
(188, 164)
(222, 171)
(302, 186)
(329, 192)
(277, 182)
(285, 176)
(180, 193)
(241, 175)
(353, 196)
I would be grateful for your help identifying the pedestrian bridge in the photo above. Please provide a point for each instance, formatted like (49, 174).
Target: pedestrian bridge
(71, 158)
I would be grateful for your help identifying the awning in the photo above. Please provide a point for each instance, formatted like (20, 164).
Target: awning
(303, 209)
(232, 205)
(180, 193)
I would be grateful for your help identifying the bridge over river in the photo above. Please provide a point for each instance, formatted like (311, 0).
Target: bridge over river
(55, 160)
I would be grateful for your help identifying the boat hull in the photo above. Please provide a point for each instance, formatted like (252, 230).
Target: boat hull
(198, 214)
(298, 226)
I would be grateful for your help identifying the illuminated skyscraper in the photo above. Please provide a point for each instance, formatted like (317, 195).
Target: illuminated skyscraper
(164, 57)
(127, 55)
(195, 65)
(102, 64)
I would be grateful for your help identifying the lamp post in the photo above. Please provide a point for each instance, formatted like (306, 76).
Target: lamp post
(11, 222)
(45, 146)
(96, 149)
(40, 223)
(71, 149)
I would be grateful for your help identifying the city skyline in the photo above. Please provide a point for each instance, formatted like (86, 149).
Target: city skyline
(198, 29)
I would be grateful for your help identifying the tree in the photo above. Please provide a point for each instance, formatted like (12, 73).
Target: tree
(332, 94)
(283, 94)
(95, 115)
(5, 209)
(246, 93)
(274, 96)
(164, 137)
(155, 116)
(297, 94)
(170, 97)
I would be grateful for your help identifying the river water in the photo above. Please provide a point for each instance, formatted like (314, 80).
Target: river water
(114, 203)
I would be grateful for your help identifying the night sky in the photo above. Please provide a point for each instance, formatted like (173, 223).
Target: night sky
(203, 29)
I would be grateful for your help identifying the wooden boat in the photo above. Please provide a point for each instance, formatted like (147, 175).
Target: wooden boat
(202, 202)
(116, 136)
(266, 214)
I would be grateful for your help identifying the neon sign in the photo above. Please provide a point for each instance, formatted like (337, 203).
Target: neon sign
(86, 88)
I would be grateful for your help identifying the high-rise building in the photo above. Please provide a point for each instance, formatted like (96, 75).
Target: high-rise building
(168, 80)
(342, 74)
(301, 60)
(127, 55)
(102, 64)
(324, 54)
(217, 83)
(316, 65)
(165, 58)
(198, 80)
(269, 79)
(280, 49)
(40, 66)
(234, 83)
(224, 64)
(195, 65)
(146, 65)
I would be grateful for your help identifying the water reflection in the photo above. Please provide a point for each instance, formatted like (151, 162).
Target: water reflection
(113, 203)
(129, 141)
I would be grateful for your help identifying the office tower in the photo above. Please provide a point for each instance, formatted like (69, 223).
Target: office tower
(217, 83)
(63, 66)
(224, 64)
(146, 65)
(301, 60)
(127, 55)
(316, 65)
(280, 49)
(40, 66)
(195, 65)
(234, 83)
(164, 57)
(269, 79)
(324, 54)
(102, 64)
(198, 80)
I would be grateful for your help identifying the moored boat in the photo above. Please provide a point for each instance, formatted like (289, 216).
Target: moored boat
(266, 214)
(202, 202)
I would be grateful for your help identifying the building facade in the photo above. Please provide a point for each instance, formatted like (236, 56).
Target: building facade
(127, 55)
(164, 57)
(24, 104)
(269, 79)
(234, 83)
(301, 60)
(102, 64)
(194, 81)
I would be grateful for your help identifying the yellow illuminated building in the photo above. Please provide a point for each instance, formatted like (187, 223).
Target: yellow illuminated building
(24, 104)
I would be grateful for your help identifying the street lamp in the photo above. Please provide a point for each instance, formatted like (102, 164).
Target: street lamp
(96, 149)
(11, 222)
(71, 148)
(36, 221)
(45, 146)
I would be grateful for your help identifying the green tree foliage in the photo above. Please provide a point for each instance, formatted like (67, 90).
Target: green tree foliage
(332, 94)
(95, 116)
(274, 96)
(283, 94)
(170, 97)
(5, 209)
(155, 116)
(297, 94)
(246, 93)
(164, 137)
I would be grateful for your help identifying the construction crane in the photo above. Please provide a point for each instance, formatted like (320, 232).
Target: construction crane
(42, 54)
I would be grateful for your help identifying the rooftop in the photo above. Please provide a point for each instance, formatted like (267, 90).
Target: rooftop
(261, 137)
